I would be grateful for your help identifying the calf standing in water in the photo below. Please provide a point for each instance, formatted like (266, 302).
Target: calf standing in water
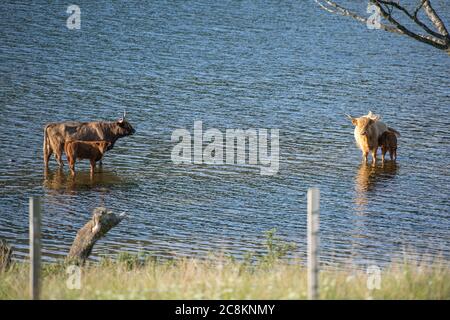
(388, 141)
(56, 134)
(92, 150)
(368, 129)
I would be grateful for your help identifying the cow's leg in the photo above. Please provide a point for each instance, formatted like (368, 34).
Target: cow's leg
(374, 157)
(59, 160)
(365, 155)
(58, 155)
(47, 153)
(92, 167)
(383, 154)
(71, 165)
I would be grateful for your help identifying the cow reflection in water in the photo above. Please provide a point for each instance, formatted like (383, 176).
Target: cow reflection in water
(64, 182)
(368, 178)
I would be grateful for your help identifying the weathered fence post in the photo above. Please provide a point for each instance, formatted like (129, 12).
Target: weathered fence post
(35, 247)
(313, 243)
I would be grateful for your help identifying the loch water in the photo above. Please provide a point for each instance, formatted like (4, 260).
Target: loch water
(231, 64)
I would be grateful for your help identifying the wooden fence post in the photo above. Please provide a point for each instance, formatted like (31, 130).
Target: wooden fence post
(313, 243)
(35, 247)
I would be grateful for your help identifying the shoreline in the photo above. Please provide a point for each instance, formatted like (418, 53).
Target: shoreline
(134, 277)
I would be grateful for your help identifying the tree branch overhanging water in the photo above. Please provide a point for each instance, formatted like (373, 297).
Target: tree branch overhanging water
(438, 38)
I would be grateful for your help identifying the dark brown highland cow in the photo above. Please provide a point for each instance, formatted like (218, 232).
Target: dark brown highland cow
(56, 135)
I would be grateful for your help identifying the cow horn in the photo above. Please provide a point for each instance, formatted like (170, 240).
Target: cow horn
(349, 116)
(373, 116)
(124, 114)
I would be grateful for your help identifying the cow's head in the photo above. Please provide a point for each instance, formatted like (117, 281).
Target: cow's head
(362, 123)
(124, 128)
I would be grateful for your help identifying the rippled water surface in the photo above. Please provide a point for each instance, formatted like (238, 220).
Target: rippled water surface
(230, 64)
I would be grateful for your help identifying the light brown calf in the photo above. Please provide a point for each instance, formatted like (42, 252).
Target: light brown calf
(388, 141)
(368, 129)
(92, 150)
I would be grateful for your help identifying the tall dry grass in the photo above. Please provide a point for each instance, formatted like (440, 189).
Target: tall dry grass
(266, 276)
(202, 279)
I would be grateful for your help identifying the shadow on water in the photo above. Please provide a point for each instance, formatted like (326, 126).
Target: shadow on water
(62, 181)
(368, 177)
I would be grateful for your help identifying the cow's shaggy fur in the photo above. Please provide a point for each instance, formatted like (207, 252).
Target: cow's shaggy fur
(92, 150)
(56, 134)
(368, 129)
(388, 142)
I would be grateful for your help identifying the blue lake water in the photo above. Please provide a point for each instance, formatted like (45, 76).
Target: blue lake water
(230, 64)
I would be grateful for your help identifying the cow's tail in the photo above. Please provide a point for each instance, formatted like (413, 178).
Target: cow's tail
(394, 131)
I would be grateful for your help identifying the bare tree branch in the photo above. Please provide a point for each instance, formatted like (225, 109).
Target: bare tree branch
(419, 6)
(435, 19)
(345, 12)
(413, 17)
(439, 39)
(428, 39)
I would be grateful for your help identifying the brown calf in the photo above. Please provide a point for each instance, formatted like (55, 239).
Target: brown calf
(56, 134)
(388, 141)
(92, 150)
(368, 130)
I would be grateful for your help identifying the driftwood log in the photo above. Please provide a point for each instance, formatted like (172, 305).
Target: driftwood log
(102, 221)
(5, 255)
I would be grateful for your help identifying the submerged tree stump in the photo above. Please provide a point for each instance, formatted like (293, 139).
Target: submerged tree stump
(102, 221)
(5, 255)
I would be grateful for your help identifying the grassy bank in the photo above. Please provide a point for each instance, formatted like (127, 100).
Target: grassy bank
(262, 276)
(130, 278)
